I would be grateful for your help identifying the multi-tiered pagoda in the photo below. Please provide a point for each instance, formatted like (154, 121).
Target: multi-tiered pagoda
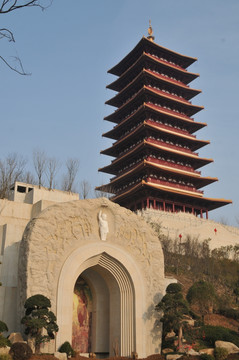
(156, 161)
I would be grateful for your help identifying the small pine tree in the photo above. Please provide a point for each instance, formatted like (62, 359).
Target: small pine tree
(38, 317)
(203, 295)
(174, 307)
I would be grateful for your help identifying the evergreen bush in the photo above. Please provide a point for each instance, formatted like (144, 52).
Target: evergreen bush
(5, 357)
(214, 333)
(220, 353)
(4, 342)
(206, 357)
(67, 348)
(3, 327)
(20, 351)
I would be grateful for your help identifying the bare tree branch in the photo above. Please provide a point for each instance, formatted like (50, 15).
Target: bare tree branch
(52, 168)
(18, 60)
(11, 170)
(84, 189)
(39, 162)
(5, 33)
(7, 6)
(72, 166)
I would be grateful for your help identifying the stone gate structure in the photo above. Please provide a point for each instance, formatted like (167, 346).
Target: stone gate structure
(122, 272)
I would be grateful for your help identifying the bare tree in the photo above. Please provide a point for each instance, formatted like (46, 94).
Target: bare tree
(6, 7)
(28, 178)
(11, 170)
(84, 189)
(39, 162)
(52, 167)
(72, 167)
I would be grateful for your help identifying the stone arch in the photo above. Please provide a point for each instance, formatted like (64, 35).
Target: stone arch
(126, 274)
(68, 233)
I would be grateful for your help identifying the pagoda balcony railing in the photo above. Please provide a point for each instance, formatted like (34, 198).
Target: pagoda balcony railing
(160, 92)
(173, 185)
(170, 164)
(165, 77)
(173, 112)
(132, 166)
(176, 97)
(175, 147)
(168, 127)
(121, 190)
(166, 61)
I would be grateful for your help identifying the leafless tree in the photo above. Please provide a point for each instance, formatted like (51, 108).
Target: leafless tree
(72, 167)
(52, 167)
(28, 178)
(39, 162)
(11, 170)
(6, 7)
(84, 189)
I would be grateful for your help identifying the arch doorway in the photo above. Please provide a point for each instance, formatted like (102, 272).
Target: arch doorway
(103, 308)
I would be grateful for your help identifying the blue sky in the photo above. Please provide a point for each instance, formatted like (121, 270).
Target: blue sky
(69, 47)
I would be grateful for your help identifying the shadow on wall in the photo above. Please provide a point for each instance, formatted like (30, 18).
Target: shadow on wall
(153, 317)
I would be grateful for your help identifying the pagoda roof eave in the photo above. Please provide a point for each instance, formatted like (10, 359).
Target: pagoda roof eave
(191, 108)
(112, 134)
(208, 203)
(196, 143)
(117, 69)
(185, 88)
(189, 93)
(201, 161)
(199, 180)
(174, 114)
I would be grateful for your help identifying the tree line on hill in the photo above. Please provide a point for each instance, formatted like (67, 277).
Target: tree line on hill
(46, 173)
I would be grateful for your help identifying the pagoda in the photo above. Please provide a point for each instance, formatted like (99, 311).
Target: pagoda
(155, 150)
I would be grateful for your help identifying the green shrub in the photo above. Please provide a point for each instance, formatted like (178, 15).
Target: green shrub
(220, 353)
(214, 333)
(206, 357)
(67, 348)
(20, 351)
(229, 313)
(3, 326)
(4, 342)
(174, 288)
(5, 357)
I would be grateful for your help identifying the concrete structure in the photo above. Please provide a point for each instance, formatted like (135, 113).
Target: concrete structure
(172, 225)
(52, 248)
(155, 160)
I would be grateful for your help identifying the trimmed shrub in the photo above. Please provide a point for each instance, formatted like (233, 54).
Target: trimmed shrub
(5, 357)
(67, 348)
(220, 353)
(214, 333)
(4, 342)
(174, 288)
(229, 313)
(206, 357)
(20, 351)
(3, 326)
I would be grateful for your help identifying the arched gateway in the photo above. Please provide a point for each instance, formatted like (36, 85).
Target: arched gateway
(102, 267)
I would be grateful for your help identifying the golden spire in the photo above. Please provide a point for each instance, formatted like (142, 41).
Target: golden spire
(150, 32)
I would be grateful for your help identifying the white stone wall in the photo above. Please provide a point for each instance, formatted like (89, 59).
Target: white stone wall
(187, 224)
(64, 240)
(14, 217)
